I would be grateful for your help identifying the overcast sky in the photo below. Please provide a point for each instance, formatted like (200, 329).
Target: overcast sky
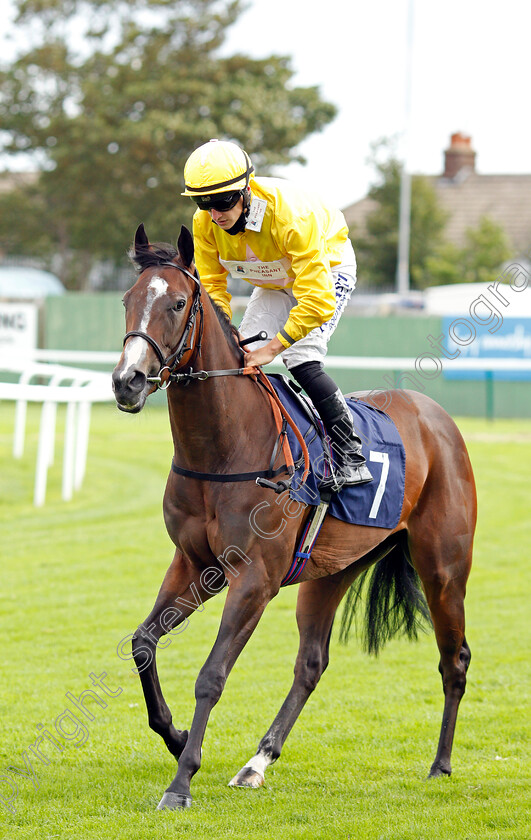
(469, 69)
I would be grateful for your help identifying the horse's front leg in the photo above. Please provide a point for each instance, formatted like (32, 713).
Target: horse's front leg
(247, 598)
(180, 594)
(317, 603)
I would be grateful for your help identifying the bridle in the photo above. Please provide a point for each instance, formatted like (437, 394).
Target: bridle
(171, 362)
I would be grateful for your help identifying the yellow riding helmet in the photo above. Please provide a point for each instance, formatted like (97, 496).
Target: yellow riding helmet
(215, 167)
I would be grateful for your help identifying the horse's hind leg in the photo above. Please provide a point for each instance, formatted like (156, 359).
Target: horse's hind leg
(447, 610)
(444, 582)
(454, 681)
(317, 603)
(180, 594)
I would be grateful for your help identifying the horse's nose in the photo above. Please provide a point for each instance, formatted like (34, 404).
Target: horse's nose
(128, 383)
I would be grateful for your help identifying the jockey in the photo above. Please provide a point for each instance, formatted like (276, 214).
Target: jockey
(296, 252)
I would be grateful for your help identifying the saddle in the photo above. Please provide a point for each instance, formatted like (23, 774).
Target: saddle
(378, 503)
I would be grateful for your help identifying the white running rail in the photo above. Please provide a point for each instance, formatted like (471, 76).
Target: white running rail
(398, 363)
(74, 387)
(88, 386)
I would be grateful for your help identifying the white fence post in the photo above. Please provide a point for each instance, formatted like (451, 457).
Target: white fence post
(82, 439)
(21, 409)
(46, 434)
(68, 452)
(86, 387)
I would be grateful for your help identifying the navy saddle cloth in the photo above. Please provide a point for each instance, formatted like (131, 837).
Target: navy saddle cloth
(378, 503)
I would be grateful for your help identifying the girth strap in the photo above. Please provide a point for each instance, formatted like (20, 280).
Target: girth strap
(228, 477)
(308, 539)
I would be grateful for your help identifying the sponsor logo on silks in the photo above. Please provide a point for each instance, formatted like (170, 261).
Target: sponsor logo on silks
(259, 273)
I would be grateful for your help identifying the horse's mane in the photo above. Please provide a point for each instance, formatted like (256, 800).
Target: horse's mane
(229, 330)
(158, 253)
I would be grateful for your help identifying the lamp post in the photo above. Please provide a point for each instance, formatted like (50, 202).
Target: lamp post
(404, 212)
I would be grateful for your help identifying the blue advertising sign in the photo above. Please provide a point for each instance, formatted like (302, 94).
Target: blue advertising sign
(510, 338)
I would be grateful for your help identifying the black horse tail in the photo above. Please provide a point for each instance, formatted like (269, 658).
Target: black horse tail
(394, 602)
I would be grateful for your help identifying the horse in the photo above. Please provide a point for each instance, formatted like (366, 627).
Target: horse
(223, 429)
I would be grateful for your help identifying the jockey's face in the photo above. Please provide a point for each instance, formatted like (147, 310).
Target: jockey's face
(227, 218)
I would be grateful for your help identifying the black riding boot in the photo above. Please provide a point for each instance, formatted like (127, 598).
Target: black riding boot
(350, 466)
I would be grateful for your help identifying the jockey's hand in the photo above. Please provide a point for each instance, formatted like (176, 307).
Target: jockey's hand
(264, 355)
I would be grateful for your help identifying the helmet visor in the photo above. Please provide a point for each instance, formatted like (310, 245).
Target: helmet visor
(219, 201)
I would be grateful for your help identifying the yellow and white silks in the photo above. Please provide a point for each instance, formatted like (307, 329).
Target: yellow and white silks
(296, 252)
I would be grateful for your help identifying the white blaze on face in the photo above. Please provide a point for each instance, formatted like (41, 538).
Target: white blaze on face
(136, 347)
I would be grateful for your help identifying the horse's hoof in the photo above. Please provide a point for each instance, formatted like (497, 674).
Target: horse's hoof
(173, 801)
(247, 777)
(437, 772)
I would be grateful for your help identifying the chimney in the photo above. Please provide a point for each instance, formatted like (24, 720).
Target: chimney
(459, 155)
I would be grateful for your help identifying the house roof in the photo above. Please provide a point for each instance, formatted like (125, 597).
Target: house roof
(504, 198)
(467, 197)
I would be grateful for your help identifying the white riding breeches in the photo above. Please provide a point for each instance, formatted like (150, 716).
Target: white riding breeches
(268, 309)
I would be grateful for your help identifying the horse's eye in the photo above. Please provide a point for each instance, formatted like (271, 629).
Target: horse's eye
(178, 306)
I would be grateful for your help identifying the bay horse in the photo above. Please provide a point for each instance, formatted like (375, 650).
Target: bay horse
(223, 428)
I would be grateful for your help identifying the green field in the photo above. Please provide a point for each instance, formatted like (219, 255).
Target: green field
(79, 576)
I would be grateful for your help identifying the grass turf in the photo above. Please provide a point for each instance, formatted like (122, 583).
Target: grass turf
(78, 577)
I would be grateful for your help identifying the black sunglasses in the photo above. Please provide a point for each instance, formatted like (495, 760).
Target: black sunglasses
(219, 202)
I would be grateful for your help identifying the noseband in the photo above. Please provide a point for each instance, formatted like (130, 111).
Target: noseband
(171, 362)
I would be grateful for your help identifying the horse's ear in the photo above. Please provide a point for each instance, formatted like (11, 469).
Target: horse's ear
(141, 240)
(185, 244)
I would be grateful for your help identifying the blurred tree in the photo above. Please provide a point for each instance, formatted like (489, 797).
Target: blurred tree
(111, 98)
(376, 248)
(479, 261)
(487, 248)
